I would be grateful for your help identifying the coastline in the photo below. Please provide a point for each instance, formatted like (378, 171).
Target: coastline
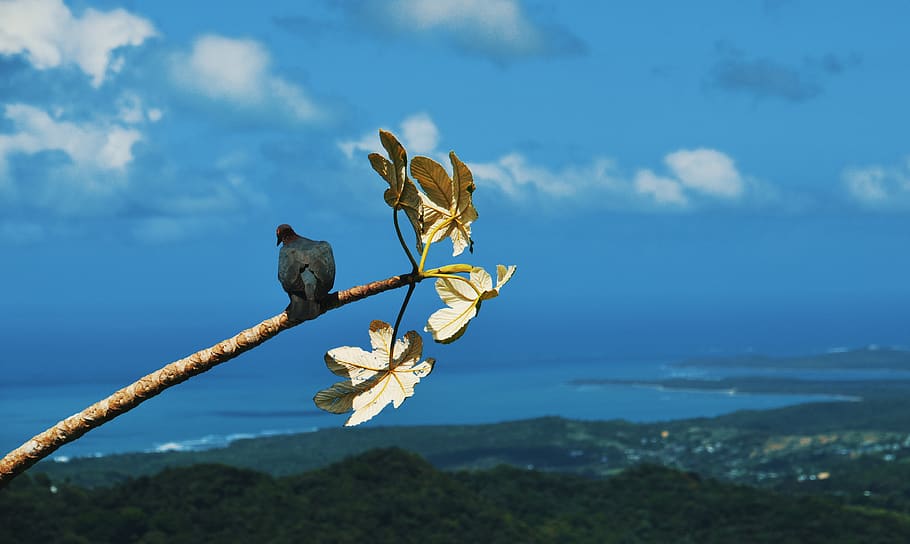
(712, 386)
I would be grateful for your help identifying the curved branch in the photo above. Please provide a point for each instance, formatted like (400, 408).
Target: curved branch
(124, 400)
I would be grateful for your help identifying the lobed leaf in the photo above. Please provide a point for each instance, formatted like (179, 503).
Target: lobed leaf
(375, 378)
(447, 203)
(463, 298)
(339, 398)
(402, 193)
(503, 275)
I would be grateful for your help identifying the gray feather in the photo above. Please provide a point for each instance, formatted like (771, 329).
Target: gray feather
(306, 270)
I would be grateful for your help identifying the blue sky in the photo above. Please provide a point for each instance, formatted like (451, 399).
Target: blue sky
(670, 178)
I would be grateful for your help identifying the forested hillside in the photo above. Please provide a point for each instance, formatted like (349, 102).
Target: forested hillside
(390, 495)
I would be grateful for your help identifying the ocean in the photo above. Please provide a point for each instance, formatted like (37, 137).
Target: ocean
(213, 409)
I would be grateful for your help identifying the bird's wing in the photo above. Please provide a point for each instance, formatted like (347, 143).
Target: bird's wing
(322, 264)
(290, 261)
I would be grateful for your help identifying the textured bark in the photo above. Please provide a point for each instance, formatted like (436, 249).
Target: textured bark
(124, 400)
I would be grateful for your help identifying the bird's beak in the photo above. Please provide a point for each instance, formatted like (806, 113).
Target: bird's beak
(279, 240)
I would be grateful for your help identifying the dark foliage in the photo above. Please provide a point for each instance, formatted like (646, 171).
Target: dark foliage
(390, 495)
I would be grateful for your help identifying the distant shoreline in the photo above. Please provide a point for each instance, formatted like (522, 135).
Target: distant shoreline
(726, 387)
(869, 358)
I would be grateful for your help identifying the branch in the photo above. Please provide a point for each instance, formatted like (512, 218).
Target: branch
(124, 400)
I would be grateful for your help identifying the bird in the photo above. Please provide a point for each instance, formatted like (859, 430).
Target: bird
(306, 270)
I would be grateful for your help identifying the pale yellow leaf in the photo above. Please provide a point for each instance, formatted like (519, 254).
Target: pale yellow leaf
(462, 299)
(402, 193)
(353, 363)
(391, 387)
(481, 278)
(337, 399)
(447, 205)
(430, 219)
(407, 350)
(453, 291)
(449, 324)
(464, 182)
(374, 381)
(369, 403)
(380, 339)
(461, 238)
(503, 275)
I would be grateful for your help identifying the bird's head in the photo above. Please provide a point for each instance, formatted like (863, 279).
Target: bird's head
(285, 233)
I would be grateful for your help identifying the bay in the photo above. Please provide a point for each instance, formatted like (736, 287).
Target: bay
(211, 410)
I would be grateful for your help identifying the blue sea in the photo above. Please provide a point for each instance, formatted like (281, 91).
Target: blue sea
(221, 406)
(510, 368)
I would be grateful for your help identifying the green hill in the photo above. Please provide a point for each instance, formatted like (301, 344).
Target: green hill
(753, 447)
(390, 495)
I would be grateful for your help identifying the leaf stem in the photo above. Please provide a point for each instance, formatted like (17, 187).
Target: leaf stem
(448, 269)
(404, 246)
(404, 305)
(426, 247)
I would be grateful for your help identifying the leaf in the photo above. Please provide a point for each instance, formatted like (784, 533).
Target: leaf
(337, 399)
(504, 274)
(402, 193)
(448, 208)
(372, 381)
(462, 298)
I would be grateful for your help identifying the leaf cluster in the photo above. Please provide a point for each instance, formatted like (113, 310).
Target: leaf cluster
(444, 208)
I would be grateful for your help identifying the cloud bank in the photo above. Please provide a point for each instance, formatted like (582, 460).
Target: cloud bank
(767, 78)
(501, 30)
(95, 146)
(417, 132)
(238, 72)
(693, 178)
(877, 187)
(48, 35)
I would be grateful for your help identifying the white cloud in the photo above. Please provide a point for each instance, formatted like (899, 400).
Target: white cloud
(663, 190)
(867, 184)
(707, 171)
(368, 143)
(132, 111)
(48, 34)
(502, 19)
(496, 28)
(418, 134)
(879, 186)
(117, 150)
(513, 175)
(104, 147)
(225, 68)
(696, 177)
(238, 71)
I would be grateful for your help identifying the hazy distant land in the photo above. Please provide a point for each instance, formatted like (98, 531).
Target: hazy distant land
(846, 390)
(869, 358)
(865, 359)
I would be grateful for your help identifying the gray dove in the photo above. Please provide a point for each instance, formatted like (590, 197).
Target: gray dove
(306, 270)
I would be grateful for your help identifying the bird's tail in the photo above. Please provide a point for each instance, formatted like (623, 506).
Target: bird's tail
(301, 309)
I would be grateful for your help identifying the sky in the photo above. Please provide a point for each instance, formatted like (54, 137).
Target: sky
(671, 179)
